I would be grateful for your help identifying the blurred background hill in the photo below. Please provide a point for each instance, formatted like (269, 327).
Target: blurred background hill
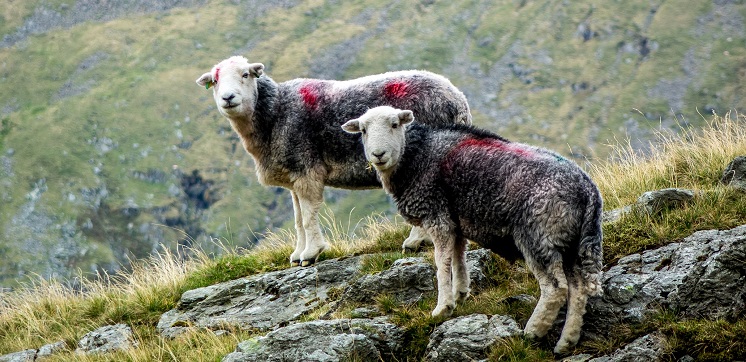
(109, 151)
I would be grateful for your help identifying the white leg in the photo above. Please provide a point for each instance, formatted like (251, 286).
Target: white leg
(460, 273)
(576, 302)
(553, 285)
(443, 240)
(300, 232)
(310, 191)
(415, 238)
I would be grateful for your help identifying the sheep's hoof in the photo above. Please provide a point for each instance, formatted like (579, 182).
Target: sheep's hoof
(306, 263)
(294, 263)
(408, 250)
(443, 311)
(461, 296)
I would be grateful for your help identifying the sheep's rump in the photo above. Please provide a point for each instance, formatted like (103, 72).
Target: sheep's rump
(316, 109)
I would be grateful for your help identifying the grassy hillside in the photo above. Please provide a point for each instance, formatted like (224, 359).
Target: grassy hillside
(101, 124)
(48, 311)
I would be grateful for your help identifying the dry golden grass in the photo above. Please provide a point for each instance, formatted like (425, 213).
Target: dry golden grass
(691, 158)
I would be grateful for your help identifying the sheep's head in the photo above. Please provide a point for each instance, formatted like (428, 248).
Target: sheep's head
(234, 85)
(383, 136)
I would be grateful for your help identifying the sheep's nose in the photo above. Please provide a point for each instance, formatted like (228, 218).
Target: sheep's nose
(378, 154)
(229, 97)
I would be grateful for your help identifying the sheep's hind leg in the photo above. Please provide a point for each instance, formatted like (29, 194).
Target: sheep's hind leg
(443, 240)
(310, 197)
(414, 240)
(300, 232)
(576, 302)
(460, 273)
(553, 286)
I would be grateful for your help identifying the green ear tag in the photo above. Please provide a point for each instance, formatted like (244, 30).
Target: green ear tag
(207, 86)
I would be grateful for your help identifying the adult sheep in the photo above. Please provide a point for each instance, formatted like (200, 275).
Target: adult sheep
(460, 182)
(292, 130)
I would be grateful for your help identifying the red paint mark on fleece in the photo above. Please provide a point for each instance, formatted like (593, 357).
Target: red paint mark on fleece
(217, 74)
(309, 95)
(490, 145)
(396, 89)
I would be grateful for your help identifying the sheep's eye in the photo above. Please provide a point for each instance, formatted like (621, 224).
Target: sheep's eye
(363, 131)
(394, 125)
(246, 74)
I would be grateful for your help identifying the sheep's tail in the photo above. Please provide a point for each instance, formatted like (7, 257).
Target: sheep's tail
(590, 251)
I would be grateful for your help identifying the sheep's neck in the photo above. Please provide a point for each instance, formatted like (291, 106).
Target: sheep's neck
(244, 127)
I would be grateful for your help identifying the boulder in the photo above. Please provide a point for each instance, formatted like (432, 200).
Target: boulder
(468, 338)
(647, 348)
(262, 302)
(107, 339)
(407, 281)
(28, 355)
(702, 276)
(324, 341)
(477, 262)
(734, 174)
(654, 202)
(50, 349)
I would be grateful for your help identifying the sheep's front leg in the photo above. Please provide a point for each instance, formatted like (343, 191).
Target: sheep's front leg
(300, 232)
(414, 240)
(443, 240)
(310, 197)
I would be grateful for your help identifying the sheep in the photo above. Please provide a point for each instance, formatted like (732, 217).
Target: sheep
(520, 201)
(292, 131)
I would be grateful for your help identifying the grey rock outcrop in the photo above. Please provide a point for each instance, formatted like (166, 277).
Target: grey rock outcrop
(735, 173)
(647, 348)
(654, 202)
(28, 355)
(107, 339)
(50, 349)
(702, 276)
(263, 301)
(324, 341)
(34, 354)
(407, 281)
(469, 338)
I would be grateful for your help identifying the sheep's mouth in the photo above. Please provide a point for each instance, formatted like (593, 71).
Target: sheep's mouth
(229, 105)
(380, 164)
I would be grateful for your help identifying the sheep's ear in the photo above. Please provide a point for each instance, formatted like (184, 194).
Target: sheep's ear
(406, 116)
(205, 80)
(256, 69)
(352, 126)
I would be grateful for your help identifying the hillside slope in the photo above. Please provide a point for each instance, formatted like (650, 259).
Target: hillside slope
(108, 149)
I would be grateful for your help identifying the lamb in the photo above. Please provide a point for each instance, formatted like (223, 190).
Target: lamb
(520, 201)
(292, 131)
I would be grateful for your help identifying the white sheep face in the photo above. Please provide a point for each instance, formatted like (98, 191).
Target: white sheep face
(234, 85)
(383, 136)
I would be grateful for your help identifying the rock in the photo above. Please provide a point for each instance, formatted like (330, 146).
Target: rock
(477, 262)
(654, 202)
(648, 348)
(107, 339)
(23, 356)
(50, 349)
(583, 357)
(616, 214)
(262, 302)
(702, 276)
(468, 338)
(324, 341)
(735, 173)
(407, 281)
